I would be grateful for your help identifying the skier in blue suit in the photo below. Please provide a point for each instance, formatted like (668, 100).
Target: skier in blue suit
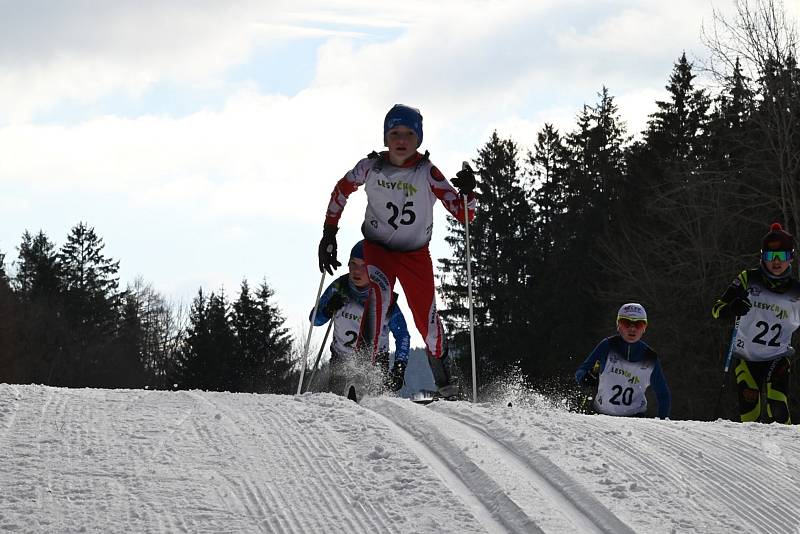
(623, 366)
(343, 301)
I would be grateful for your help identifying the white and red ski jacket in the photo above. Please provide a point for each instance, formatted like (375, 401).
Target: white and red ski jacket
(400, 200)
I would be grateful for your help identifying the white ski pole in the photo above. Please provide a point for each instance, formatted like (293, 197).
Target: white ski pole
(319, 354)
(465, 166)
(308, 338)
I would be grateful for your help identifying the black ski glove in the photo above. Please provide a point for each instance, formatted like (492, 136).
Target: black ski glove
(397, 375)
(465, 180)
(327, 249)
(591, 378)
(334, 303)
(740, 306)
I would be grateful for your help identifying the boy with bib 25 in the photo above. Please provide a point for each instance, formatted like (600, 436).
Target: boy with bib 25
(402, 187)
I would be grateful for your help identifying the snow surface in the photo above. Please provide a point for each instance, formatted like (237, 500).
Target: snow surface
(80, 460)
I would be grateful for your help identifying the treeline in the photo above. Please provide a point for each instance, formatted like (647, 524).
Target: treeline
(64, 321)
(589, 219)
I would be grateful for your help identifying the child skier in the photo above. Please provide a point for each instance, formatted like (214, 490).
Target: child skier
(343, 302)
(767, 300)
(402, 187)
(623, 366)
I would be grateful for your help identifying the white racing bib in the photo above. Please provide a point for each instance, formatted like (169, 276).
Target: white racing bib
(399, 213)
(347, 325)
(622, 385)
(766, 331)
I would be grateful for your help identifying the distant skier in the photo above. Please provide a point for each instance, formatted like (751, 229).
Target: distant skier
(623, 366)
(402, 187)
(767, 299)
(343, 301)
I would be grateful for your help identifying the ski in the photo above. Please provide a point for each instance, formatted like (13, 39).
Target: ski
(424, 397)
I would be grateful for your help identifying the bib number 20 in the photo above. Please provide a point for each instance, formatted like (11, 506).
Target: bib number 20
(625, 395)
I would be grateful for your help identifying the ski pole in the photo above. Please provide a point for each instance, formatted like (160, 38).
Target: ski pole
(319, 354)
(308, 338)
(465, 166)
(727, 367)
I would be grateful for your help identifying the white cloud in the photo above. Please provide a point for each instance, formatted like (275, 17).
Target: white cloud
(471, 67)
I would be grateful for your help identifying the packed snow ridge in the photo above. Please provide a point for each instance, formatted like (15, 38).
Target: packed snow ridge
(81, 460)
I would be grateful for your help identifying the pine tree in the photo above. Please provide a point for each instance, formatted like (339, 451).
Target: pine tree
(592, 180)
(498, 234)
(547, 162)
(210, 349)
(245, 325)
(92, 303)
(276, 351)
(38, 274)
(9, 314)
(42, 332)
(678, 131)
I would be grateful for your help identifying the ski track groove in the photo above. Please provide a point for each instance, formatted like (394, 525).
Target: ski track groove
(272, 517)
(732, 477)
(364, 521)
(672, 475)
(669, 465)
(659, 470)
(497, 513)
(316, 490)
(361, 521)
(11, 410)
(238, 489)
(578, 506)
(744, 512)
(328, 457)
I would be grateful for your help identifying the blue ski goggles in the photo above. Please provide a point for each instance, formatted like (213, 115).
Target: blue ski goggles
(772, 255)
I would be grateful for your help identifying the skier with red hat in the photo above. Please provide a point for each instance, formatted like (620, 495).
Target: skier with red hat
(766, 299)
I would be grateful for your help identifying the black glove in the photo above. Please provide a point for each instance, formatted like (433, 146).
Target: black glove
(740, 306)
(591, 378)
(465, 180)
(396, 376)
(334, 303)
(327, 249)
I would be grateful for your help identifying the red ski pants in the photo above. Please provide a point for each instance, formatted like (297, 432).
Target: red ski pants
(414, 270)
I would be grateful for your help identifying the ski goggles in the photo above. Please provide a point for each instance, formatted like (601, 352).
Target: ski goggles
(636, 323)
(772, 255)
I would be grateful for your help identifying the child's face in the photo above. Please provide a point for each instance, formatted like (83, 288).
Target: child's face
(631, 331)
(402, 143)
(774, 264)
(358, 273)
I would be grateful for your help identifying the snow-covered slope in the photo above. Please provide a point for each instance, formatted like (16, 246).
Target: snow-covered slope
(145, 461)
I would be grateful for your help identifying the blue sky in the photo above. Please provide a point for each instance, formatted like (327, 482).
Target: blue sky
(202, 139)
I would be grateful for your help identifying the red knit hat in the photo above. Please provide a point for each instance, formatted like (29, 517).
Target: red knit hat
(777, 239)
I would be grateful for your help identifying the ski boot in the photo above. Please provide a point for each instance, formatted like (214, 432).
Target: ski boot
(440, 367)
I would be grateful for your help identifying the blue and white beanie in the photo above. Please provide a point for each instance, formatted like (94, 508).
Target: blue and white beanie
(401, 115)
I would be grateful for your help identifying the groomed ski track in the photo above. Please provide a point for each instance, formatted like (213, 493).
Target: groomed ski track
(75, 460)
(519, 491)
